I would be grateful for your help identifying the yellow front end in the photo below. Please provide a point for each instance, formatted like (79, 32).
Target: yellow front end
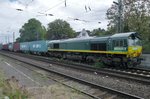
(134, 51)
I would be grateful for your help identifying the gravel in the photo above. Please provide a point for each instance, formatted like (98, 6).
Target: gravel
(115, 83)
(112, 82)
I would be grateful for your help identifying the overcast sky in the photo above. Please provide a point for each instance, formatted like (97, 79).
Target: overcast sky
(89, 13)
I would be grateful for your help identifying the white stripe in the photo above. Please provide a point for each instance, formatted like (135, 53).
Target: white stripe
(22, 73)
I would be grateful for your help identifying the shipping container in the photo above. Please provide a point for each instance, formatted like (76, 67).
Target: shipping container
(24, 47)
(5, 47)
(39, 46)
(16, 47)
(10, 46)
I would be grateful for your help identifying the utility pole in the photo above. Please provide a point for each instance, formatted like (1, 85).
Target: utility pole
(119, 16)
(7, 39)
(13, 37)
(65, 3)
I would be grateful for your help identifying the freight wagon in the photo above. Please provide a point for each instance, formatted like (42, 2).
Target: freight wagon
(5, 47)
(24, 47)
(10, 46)
(39, 47)
(16, 47)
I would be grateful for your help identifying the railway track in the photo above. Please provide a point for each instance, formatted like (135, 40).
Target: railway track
(137, 71)
(135, 75)
(100, 92)
(142, 71)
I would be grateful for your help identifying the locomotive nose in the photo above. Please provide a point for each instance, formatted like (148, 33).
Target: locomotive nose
(134, 51)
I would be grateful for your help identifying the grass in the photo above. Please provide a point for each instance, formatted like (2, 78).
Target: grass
(11, 88)
(1, 84)
(56, 91)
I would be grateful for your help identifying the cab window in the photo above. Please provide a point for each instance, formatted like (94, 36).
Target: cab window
(56, 46)
(120, 43)
(134, 42)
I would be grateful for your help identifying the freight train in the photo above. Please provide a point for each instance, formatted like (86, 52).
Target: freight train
(121, 49)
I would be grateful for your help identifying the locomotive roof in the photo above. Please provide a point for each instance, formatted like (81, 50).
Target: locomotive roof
(127, 34)
(71, 39)
(93, 38)
(100, 38)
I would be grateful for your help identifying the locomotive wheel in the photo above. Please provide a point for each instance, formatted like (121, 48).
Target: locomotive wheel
(129, 64)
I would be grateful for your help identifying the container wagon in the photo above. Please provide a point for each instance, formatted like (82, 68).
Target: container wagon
(5, 47)
(24, 47)
(16, 47)
(10, 46)
(39, 47)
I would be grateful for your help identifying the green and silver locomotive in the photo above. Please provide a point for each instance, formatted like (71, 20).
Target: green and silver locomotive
(122, 49)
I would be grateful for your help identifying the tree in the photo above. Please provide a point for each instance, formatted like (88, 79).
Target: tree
(98, 32)
(18, 39)
(31, 31)
(112, 17)
(59, 29)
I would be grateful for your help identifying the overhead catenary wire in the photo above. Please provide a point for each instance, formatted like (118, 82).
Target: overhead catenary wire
(26, 4)
(29, 3)
(62, 2)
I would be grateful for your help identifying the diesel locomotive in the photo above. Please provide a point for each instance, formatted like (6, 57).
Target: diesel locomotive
(122, 49)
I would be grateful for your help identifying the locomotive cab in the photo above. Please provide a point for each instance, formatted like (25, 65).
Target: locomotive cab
(134, 50)
(129, 45)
